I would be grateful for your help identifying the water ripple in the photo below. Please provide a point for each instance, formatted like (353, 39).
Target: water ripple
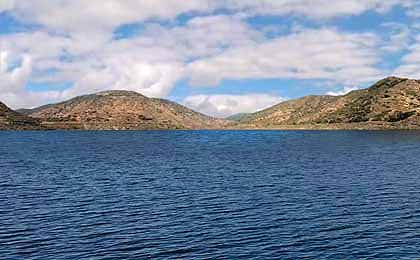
(209, 195)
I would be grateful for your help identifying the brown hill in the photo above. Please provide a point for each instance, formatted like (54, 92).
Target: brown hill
(121, 110)
(11, 120)
(390, 103)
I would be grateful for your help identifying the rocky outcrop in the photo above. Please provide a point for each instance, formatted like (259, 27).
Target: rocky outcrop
(121, 110)
(11, 120)
(392, 103)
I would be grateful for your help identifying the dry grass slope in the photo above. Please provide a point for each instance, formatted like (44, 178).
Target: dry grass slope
(121, 110)
(392, 103)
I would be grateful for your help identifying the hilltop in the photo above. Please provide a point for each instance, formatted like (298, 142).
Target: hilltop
(392, 103)
(121, 110)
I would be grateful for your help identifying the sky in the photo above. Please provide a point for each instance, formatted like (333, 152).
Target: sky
(219, 57)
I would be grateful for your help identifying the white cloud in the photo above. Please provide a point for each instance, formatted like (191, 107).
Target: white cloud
(228, 48)
(318, 9)
(101, 16)
(75, 44)
(410, 63)
(344, 91)
(98, 15)
(203, 36)
(399, 38)
(227, 105)
(3, 62)
(151, 63)
(128, 64)
(13, 81)
(152, 80)
(309, 54)
(29, 99)
(413, 8)
(6, 5)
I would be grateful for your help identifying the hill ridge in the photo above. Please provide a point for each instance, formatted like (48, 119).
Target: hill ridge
(392, 102)
(121, 110)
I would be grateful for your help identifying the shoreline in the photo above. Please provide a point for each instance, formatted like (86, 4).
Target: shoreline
(273, 128)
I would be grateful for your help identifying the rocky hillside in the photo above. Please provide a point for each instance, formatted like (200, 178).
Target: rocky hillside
(390, 103)
(121, 110)
(11, 120)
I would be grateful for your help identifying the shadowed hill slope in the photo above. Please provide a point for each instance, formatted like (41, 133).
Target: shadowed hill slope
(11, 120)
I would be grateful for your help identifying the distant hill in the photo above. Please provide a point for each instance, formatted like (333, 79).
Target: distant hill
(390, 103)
(11, 120)
(121, 110)
(238, 117)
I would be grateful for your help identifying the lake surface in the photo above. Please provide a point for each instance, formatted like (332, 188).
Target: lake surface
(210, 195)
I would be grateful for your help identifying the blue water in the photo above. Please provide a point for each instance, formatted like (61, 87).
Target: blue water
(210, 195)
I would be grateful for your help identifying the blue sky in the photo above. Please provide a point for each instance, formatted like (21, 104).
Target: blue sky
(220, 57)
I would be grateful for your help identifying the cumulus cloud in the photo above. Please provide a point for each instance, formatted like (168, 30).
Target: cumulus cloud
(228, 48)
(150, 63)
(399, 38)
(3, 62)
(152, 80)
(203, 36)
(309, 54)
(115, 65)
(413, 8)
(75, 44)
(6, 5)
(318, 9)
(410, 63)
(13, 82)
(227, 105)
(14, 79)
(98, 15)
